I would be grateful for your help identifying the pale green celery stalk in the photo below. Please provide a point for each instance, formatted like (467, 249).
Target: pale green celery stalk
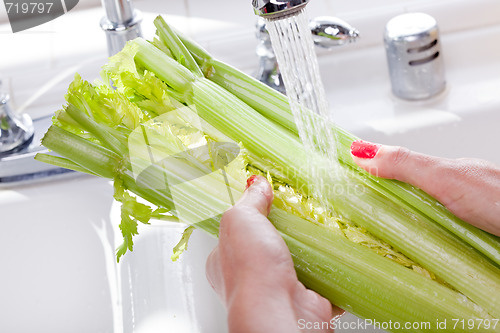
(274, 106)
(251, 91)
(343, 262)
(325, 262)
(65, 118)
(285, 143)
(113, 139)
(62, 163)
(179, 51)
(333, 256)
(403, 228)
(197, 197)
(408, 231)
(235, 119)
(88, 155)
(166, 68)
(208, 99)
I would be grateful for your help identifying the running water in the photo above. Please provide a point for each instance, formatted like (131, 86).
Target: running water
(294, 48)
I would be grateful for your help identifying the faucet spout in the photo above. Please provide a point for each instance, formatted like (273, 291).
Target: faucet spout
(121, 24)
(328, 33)
(118, 11)
(277, 9)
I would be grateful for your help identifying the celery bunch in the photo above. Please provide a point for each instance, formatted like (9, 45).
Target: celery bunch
(182, 131)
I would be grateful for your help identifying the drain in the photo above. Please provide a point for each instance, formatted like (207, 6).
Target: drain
(414, 56)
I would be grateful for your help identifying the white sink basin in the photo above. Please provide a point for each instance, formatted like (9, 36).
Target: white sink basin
(57, 246)
(57, 241)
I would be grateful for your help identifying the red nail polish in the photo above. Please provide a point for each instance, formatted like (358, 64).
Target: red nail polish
(364, 149)
(251, 180)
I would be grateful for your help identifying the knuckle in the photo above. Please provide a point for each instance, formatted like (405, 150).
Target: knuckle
(401, 156)
(231, 214)
(228, 214)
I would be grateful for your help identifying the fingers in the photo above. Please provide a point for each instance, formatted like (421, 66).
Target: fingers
(423, 171)
(396, 163)
(469, 188)
(313, 307)
(249, 245)
(252, 270)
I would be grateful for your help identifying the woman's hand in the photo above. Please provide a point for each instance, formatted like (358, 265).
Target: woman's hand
(252, 271)
(469, 188)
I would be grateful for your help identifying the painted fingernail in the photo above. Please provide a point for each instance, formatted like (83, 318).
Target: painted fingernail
(364, 149)
(251, 180)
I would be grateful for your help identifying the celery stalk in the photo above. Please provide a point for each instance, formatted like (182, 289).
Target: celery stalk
(62, 163)
(149, 56)
(330, 263)
(265, 100)
(177, 48)
(101, 132)
(88, 155)
(274, 106)
(406, 228)
(151, 84)
(334, 256)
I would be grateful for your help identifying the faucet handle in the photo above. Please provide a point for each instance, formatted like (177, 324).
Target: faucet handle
(329, 32)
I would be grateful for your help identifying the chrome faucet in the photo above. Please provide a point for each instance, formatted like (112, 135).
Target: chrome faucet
(328, 32)
(121, 23)
(268, 70)
(16, 130)
(20, 136)
(19, 143)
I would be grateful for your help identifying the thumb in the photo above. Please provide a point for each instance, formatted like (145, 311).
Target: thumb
(397, 163)
(248, 243)
(460, 185)
(258, 195)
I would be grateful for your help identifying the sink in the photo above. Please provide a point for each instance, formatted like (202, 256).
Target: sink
(52, 258)
(58, 237)
(57, 246)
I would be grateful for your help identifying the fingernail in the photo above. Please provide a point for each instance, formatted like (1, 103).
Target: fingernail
(251, 180)
(364, 149)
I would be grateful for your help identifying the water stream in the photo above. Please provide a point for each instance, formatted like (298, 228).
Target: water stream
(294, 48)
